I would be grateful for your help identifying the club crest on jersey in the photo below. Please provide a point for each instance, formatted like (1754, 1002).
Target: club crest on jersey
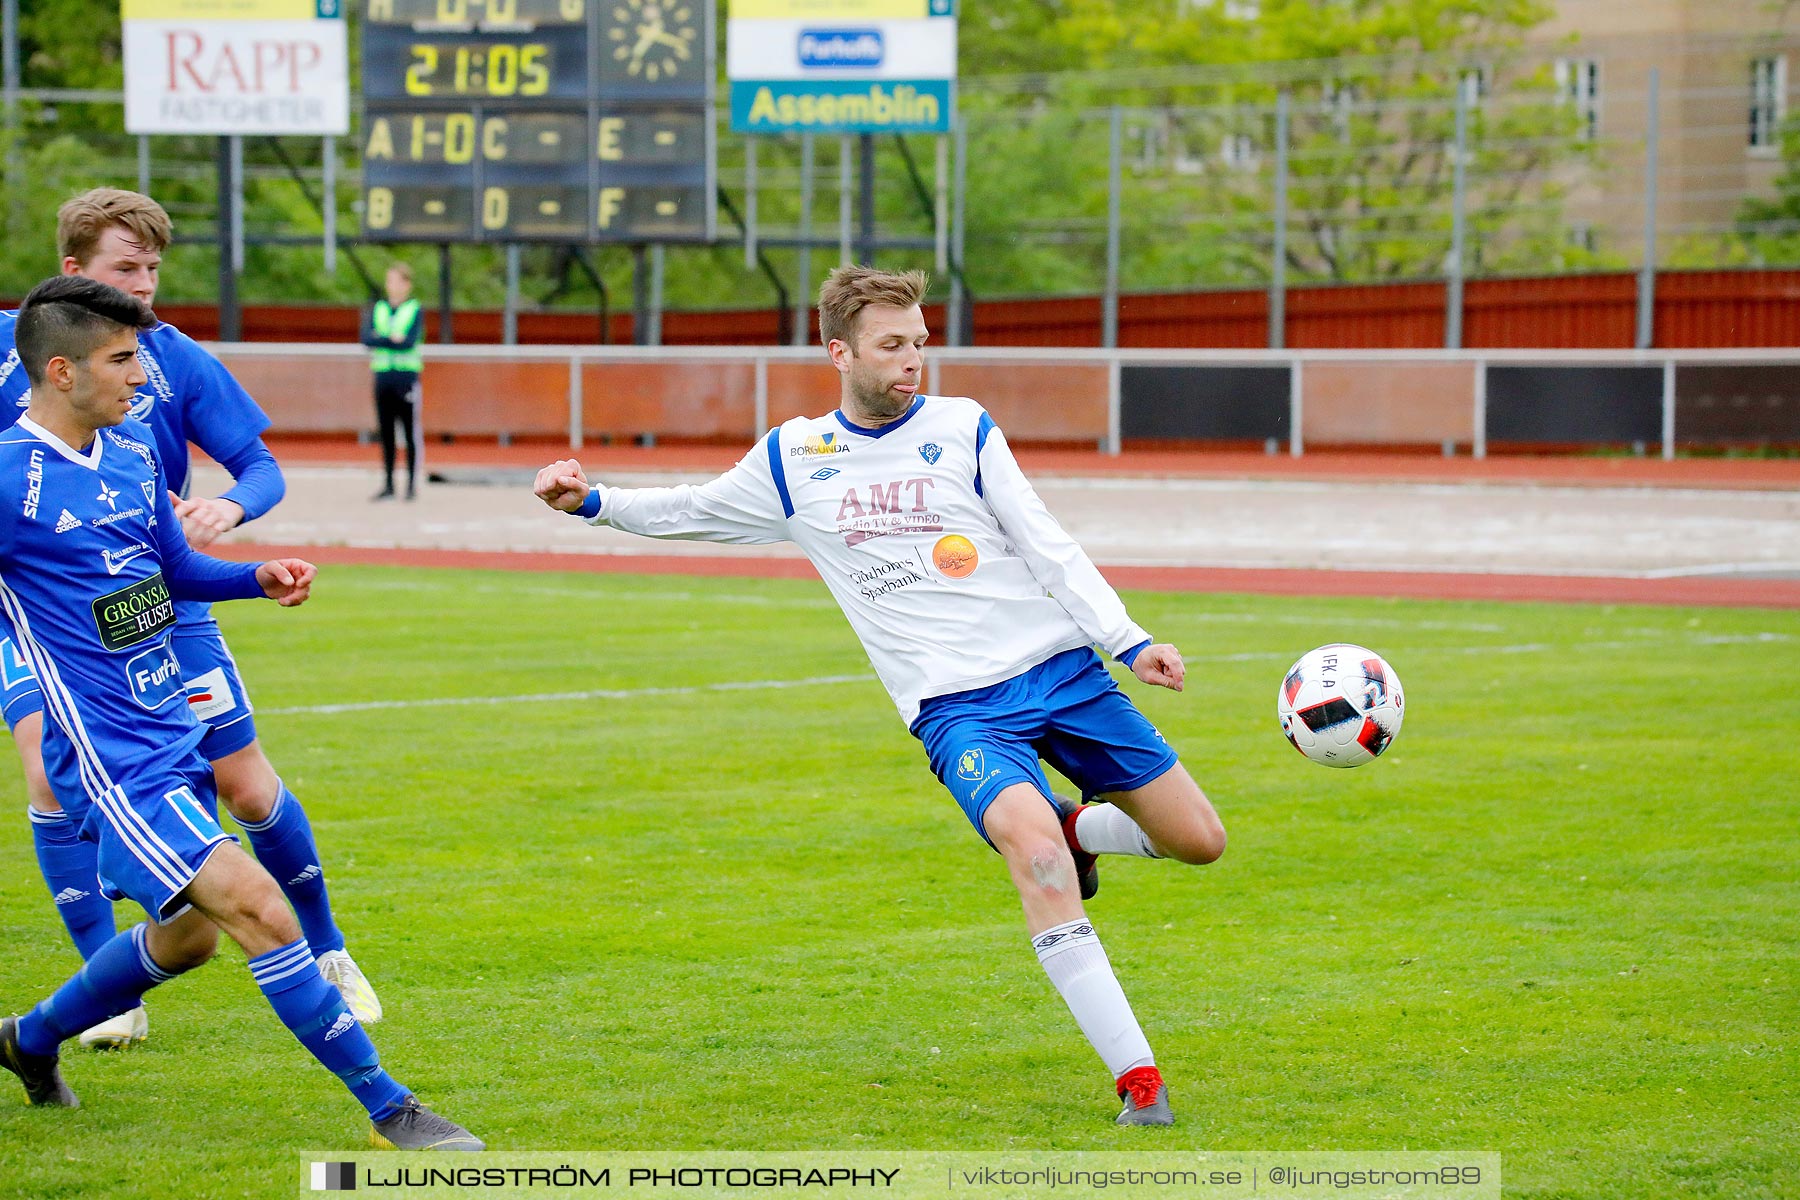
(970, 765)
(149, 492)
(824, 473)
(931, 452)
(141, 403)
(819, 444)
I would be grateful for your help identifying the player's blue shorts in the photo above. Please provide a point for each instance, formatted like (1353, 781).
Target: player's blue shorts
(1066, 710)
(155, 833)
(215, 690)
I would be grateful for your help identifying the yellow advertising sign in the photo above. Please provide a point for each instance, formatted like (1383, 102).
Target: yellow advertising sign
(229, 10)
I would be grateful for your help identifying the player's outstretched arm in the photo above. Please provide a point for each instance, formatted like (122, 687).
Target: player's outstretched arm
(562, 485)
(287, 581)
(1160, 664)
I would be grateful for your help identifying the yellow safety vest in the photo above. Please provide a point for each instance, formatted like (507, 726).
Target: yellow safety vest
(388, 321)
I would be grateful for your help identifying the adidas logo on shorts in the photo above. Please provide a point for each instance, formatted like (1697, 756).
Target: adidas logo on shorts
(67, 522)
(344, 1023)
(70, 895)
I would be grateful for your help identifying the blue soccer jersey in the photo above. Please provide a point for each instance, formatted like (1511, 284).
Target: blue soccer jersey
(92, 562)
(188, 397)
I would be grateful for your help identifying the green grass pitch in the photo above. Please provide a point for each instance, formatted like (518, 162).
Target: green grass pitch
(1558, 920)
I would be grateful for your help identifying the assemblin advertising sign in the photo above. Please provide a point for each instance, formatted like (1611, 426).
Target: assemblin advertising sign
(841, 66)
(236, 66)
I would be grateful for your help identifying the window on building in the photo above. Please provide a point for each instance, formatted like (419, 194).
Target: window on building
(1768, 102)
(1239, 150)
(1578, 83)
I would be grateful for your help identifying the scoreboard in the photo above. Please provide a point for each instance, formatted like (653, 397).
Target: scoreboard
(538, 120)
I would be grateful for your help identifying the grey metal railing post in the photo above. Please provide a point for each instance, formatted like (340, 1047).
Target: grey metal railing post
(576, 417)
(1668, 410)
(1296, 409)
(509, 315)
(1479, 448)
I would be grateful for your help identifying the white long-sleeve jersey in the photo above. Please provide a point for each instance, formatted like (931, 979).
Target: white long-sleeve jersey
(948, 565)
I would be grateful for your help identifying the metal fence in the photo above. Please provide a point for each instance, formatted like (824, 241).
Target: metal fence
(1339, 172)
(1456, 402)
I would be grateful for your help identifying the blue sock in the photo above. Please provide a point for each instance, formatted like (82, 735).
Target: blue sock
(112, 981)
(71, 871)
(314, 1012)
(284, 846)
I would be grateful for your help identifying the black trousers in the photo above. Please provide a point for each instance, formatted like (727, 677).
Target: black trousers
(395, 395)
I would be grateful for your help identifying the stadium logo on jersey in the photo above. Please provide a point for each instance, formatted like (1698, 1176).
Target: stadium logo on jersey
(971, 765)
(209, 696)
(931, 452)
(824, 473)
(817, 444)
(67, 521)
(155, 676)
(116, 559)
(134, 614)
(34, 483)
(107, 494)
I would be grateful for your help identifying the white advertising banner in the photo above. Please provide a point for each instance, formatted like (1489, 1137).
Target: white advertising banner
(269, 67)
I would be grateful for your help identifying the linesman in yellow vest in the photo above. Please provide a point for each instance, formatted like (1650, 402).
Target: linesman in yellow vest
(396, 325)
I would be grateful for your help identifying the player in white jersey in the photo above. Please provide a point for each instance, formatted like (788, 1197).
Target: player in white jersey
(980, 615)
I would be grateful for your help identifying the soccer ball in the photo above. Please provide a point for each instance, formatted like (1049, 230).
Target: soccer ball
(1341, 705)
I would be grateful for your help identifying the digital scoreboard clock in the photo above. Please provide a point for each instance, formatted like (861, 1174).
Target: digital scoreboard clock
(537, 120)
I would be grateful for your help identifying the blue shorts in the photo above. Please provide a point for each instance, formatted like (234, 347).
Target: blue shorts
(215, 690)
(1066, 710)
(155, 833)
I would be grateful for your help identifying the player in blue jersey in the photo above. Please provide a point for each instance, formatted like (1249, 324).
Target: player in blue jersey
(118, 237)
(92, 565)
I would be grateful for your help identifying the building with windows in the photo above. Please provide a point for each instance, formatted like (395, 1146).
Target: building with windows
(1725, 75)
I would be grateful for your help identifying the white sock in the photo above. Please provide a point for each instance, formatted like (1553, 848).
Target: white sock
(1072, 957)
(1105, 829)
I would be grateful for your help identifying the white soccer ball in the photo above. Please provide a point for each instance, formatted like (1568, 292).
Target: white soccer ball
(1341, 705)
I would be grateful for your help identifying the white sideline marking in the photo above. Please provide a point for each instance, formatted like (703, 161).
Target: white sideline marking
(753, 685)
(758, 685)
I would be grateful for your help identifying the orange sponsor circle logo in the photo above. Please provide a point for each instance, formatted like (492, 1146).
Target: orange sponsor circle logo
(955, 556)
